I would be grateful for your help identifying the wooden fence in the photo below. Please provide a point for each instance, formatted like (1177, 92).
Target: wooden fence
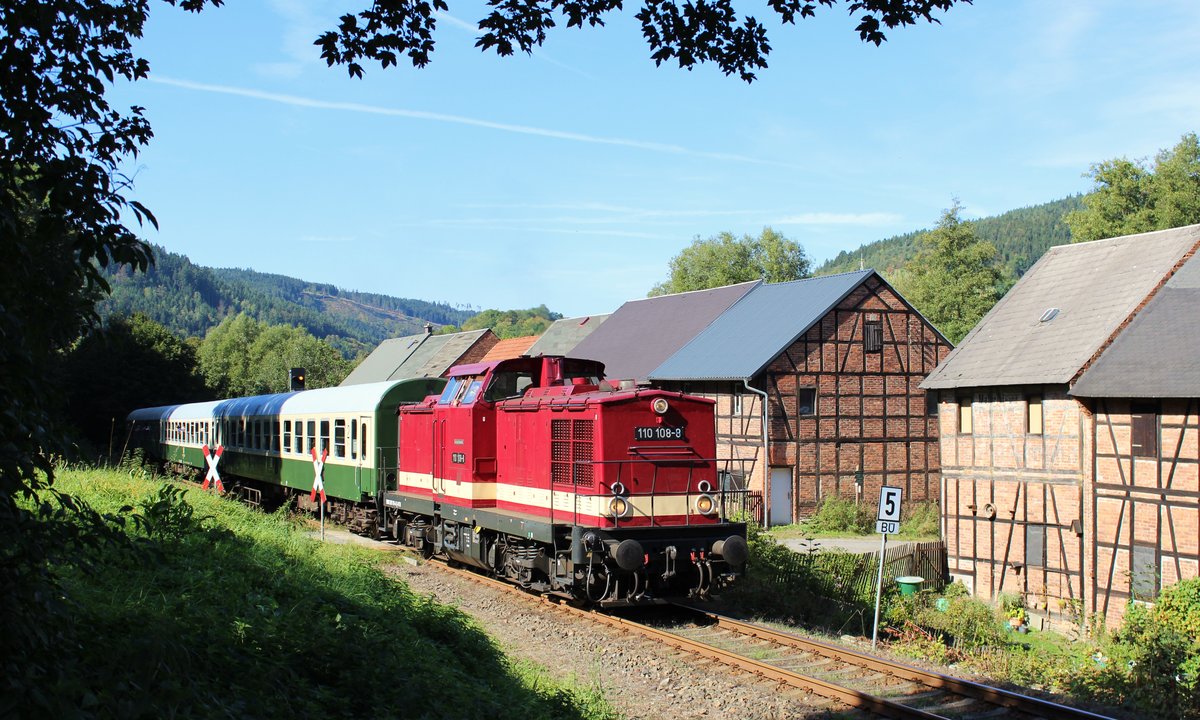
(850, 577)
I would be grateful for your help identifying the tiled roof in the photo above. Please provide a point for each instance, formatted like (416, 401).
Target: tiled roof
(1063, 310)
(509, 349)
(413, 356)
(562, 337)
(1158, 354)
(641, 334)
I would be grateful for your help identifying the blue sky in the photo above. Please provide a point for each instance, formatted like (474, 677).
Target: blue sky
(572, 176)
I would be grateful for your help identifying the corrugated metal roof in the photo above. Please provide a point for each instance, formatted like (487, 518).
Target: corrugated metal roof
(1158, 354)
(384, 359)
(438, 354)
(562, 336)
(759, 326)
(509, 348)
(1093, 286)
(641, 334)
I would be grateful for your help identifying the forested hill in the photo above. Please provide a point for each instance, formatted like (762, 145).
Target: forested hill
(1020, 236)
(189, 299)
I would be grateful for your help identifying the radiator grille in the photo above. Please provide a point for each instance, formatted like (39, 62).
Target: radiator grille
(571, 452)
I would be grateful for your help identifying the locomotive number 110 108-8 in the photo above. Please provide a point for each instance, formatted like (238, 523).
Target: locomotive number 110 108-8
(660, 432)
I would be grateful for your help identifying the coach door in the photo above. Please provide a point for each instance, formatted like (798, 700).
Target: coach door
(360, 449)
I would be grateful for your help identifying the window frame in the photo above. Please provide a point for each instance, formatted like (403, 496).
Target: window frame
(873, 336)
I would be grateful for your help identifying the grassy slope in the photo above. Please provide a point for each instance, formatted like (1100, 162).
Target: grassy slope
(227, 612)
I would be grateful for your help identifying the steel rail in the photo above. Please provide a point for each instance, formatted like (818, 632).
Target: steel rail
(958, 686)
(849, 696)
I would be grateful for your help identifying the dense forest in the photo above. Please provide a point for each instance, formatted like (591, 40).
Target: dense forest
(1020, 237)
(190, 299)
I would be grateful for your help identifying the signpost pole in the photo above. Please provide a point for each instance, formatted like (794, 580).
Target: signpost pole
(888, 522)
(323, 540)
(878, 590)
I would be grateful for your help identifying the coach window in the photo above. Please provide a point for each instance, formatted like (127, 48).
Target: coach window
(354, 439)
(324, 446)
(275, 437)
(1033, 415)
(339, 438)
(287, 436)
(1144, 435)
(312, 436)
(366, 442)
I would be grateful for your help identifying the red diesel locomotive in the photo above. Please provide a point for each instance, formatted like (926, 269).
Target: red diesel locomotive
(534, 470)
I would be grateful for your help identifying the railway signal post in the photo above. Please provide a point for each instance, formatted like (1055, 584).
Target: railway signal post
(887, 522)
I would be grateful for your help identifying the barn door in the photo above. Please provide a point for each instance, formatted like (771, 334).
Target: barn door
(781, 496)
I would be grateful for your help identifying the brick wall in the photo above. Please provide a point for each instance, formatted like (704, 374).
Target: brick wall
(1145, 508)
(1004, 485)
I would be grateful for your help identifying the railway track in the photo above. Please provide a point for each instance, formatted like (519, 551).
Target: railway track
(844, 676)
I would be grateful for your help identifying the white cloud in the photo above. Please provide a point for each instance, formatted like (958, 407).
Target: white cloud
(299, 101)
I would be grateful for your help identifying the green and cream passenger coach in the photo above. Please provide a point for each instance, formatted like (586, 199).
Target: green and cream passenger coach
(270, 439)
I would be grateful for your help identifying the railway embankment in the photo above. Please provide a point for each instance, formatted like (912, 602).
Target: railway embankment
(202, 607)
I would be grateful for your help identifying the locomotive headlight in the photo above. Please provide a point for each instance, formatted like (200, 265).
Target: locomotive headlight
(705, 505)
(618, 507)
(660, 406)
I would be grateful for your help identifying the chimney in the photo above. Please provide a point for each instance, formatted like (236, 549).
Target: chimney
(428, 328)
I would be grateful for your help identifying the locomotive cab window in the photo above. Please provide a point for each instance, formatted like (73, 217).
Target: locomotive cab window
(508, 384)
(450, 391)
(472, 391)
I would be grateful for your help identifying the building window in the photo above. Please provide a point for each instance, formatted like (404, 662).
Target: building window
(737, 401)
(1144, 432)
(1143, 572)
(806, 403)
(1033, 415)
(873, 335)
(1035, 545)
(931, 403)
(965, 424)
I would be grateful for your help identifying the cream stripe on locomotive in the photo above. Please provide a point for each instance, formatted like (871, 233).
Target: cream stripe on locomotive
(456, 489)
(564, 501)
(597, 505)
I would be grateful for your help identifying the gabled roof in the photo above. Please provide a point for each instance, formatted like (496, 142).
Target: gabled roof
(414, 356)
(759, 326)
(1063, 310)
(641, 334)
(1158, 354)
(562, 337)
(509, 349)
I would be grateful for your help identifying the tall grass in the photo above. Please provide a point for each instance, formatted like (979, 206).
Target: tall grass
(214, 610)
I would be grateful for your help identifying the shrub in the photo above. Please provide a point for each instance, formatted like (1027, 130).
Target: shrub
(1164, 646)
(839, 516)
(923, 521)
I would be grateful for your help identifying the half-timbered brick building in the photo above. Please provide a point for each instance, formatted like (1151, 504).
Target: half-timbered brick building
(838, 360)
(1068, 422)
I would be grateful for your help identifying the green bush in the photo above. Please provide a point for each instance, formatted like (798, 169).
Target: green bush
(839, 516)
(1164, 647)
(923, 520)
